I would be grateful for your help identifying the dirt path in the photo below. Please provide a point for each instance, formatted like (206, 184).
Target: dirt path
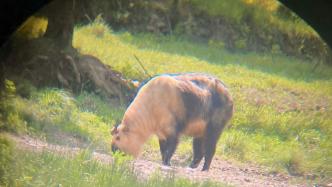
(221, 171)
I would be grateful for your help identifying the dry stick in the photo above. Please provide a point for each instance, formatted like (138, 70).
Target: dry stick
(140, 63)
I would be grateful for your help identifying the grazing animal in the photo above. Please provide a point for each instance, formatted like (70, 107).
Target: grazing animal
(168, 106)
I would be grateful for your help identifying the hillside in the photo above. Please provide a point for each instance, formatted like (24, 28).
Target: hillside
(282, 109)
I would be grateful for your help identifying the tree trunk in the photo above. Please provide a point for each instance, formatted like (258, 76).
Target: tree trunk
(52, 61)
(60, 28)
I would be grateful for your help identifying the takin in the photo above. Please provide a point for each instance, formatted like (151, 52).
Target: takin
(196, 105)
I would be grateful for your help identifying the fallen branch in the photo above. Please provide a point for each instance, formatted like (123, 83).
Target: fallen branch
(140, 63)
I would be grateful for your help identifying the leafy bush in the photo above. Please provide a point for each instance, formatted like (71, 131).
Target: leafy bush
(10, 120)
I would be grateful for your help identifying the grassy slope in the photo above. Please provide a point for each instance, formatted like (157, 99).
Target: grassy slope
(282, 115)
(281, 120)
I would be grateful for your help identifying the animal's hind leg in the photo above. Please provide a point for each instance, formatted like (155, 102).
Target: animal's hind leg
(198, 150)
(210, 143)
(171, 144)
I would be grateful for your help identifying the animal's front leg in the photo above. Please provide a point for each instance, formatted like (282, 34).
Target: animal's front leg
(163, 146)
(210, 143)
(171, 144)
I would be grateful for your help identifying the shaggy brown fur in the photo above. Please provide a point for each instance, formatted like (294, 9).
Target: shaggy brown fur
(168, 106)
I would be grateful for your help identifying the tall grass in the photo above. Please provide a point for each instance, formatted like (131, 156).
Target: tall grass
(46, 169)
(282, 104)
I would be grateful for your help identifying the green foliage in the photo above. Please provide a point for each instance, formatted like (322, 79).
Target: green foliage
(10, 120)
(46, 169)
(6, 160)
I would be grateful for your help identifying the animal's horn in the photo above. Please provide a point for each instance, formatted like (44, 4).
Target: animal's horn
(114, 130)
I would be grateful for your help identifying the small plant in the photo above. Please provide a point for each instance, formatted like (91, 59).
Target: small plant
(10, 120)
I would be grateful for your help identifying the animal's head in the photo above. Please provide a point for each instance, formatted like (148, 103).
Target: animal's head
(125, 140)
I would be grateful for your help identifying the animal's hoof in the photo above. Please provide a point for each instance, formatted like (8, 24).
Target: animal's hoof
(193, 166)
(166, 163)
(205, 169)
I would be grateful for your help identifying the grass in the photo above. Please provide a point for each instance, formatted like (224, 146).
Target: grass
(282, 110)
(264, 13)
(48, 113)
(6, 153)
(46, 169)
(282, 117)
(282, 104)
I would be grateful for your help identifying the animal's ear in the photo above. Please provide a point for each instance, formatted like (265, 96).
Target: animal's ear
(135, 83)
(123, 128)
(114, 130)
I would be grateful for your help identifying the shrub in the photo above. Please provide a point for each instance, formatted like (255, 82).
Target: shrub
(10, 120)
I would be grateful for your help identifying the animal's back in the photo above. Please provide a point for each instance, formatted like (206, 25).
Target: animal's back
(207, 102)
(191, 100)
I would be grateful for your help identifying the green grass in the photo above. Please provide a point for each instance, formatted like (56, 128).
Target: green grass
(281, 103)
(282, 115)
(264, 14)
(6, 160)
(49, 113)
(46, 169)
